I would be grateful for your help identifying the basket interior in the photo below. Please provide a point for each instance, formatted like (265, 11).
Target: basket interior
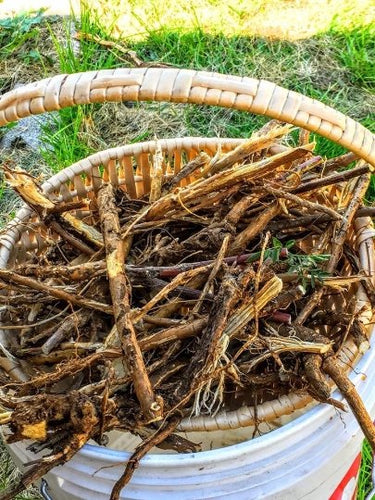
(129, 169)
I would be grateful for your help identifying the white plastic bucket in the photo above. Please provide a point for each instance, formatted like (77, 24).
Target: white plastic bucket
(314, 457)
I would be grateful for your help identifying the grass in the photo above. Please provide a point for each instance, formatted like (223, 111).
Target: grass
(358, 54)
(312, 67)
(15, 33)
(64, 137)
(365, 473)
(328, 57)
(8, 474)
(26, 52)
(285, 19)
(333, 66)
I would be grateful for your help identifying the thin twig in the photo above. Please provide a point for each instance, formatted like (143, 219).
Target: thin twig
(12, 277)
(160, 435)
(192, 166)
(303, 203)
(215, 269)
(338, 243)
(332, 179)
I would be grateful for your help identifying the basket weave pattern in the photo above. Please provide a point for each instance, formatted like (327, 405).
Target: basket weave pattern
(199, 87)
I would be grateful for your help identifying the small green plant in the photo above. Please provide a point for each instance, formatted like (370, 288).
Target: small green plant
(274, 252)
(307, 266)
(33, 56)
(16, 31)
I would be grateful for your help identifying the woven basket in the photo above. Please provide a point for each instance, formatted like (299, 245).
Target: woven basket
(129, 167)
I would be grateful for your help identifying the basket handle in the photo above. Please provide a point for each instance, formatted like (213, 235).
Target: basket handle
(189, 86)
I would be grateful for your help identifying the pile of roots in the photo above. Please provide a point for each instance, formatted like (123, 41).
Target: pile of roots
(232, 283)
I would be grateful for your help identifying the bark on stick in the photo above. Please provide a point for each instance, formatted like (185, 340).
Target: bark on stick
(151, 405)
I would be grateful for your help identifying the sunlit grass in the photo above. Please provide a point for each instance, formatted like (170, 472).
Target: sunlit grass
(285, 19)
(315, 67)
(365, 473)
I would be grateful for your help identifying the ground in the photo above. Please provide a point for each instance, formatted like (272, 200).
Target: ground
(328, 57)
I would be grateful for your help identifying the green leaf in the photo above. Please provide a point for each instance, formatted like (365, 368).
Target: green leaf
(276, 243)
(275, 254)
(321, 257)
(35, 54)
(312, 280)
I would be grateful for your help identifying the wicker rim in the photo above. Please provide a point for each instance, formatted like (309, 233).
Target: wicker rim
(68, 184)
(182, 85)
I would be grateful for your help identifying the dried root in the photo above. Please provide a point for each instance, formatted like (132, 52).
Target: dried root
(176, 304)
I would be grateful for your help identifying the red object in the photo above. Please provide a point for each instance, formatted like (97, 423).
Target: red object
(282, 317)
(347, 489)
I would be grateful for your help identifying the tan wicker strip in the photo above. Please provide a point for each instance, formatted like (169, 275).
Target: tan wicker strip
(175, 85)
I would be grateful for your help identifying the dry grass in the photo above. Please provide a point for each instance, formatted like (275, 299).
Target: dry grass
(28, 53)
(116, 124)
